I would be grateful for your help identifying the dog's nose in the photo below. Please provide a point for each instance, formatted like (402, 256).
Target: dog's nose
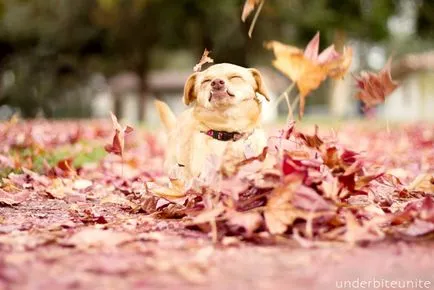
(217, 84)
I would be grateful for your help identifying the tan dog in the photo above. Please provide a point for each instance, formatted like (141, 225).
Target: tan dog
(225, 116)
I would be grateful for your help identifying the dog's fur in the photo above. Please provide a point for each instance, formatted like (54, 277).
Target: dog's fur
(233, 108)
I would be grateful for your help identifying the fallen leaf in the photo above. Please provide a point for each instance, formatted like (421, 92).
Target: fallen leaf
(13, 198)
(57, 189)
(81, 184)
(279, 213)
(94, 237)
(248, 222)
(116, 199)
(175, 189)
(367, 231)
(308, 199)
(418, 228)
(208, 216)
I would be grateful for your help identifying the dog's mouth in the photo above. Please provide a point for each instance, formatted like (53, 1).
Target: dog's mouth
(219, 94)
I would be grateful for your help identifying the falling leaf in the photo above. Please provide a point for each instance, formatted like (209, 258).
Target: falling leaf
(338, 67)
(375, 87)
(248, 8)
(118, 143)
(203, 60)
(309, 68)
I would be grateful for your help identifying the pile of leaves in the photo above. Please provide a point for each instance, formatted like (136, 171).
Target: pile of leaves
(311, 189)
(303, 186)
(306, 187)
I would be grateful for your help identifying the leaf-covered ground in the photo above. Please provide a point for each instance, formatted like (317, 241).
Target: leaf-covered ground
(315, 209)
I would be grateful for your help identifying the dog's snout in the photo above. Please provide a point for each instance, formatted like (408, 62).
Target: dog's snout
(217, 84)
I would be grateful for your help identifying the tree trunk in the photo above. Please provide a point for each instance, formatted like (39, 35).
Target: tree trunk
(339, 89)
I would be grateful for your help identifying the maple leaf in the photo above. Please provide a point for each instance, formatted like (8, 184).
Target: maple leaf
(203, 60)
(279, 212)
(117, 146)
(375, 87)
(366, 231)
(309, 68)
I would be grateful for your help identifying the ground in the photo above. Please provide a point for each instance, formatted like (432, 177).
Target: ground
(74, 225)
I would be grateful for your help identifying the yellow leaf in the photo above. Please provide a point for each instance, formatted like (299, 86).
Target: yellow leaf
(279, 212)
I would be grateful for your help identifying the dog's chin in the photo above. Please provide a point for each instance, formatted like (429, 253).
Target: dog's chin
(221, 97)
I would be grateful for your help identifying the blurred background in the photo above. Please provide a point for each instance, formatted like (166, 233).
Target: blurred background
(84, 58)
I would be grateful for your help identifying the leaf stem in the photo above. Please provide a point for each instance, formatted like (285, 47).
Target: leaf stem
(255, 18)
(294, 104)
(387, 117)
(290, 113)
(287, 92)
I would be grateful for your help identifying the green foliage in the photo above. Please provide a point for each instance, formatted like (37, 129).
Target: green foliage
(39, 159)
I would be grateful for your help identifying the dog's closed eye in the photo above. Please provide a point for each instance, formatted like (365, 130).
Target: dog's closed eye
(205, 81)
(236, 78)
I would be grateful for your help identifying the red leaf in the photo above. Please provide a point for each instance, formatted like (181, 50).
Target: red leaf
(374, 88)
(118, 143)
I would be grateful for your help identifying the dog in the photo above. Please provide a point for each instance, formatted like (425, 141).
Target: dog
(224, 116)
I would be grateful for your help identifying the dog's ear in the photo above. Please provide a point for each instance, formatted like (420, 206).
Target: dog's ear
(260, 85)
(189, 92)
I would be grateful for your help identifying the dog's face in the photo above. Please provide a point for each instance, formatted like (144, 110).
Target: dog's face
(224, 85)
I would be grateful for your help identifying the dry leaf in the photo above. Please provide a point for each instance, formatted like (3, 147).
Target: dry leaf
(367, 231)
(308, 69)
(203, 60)
(81, 184)
(175, 189)
(208, 215)
(13, 198)
(279, 212)
(93, 237)
(248, 8)
(374, 88)
(117, 199)
(118, 143)
(57, 189)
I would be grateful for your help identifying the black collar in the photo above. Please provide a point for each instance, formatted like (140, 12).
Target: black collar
(223, 135)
